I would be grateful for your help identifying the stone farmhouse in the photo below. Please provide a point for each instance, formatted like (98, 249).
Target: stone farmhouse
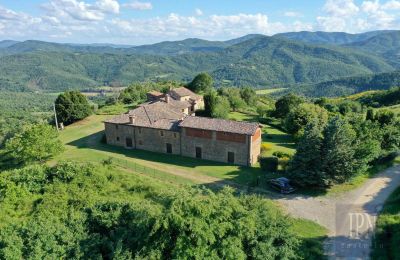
(167, 124)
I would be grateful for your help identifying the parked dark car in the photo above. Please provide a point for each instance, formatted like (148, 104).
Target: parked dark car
(282, 184)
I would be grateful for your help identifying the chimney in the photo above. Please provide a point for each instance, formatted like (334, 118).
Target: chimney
(167, 98)
(132, 119)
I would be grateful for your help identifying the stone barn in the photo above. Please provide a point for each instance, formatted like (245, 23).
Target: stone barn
(168, 125)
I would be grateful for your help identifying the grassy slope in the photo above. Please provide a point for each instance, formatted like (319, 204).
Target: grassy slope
(82, 144)
(387, 240)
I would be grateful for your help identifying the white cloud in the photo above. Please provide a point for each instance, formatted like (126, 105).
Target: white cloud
(137, 5)
(108, 6)
(370, 6)
(391, 5)
(198, 12)
(341, 8)
(7, 14)
(292, 14)
(98, 21)
(80, 10)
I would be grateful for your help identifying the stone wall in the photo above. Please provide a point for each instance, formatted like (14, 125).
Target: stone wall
(213, 149)
(214, 146)
(255, 146)
(117, 134)
(149, 139)
(156, 140)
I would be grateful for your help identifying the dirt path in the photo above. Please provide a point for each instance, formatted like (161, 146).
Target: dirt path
(350, 217)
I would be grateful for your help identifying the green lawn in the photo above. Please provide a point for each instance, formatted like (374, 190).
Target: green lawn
(387, 238)
(312, 236)
(83, 144)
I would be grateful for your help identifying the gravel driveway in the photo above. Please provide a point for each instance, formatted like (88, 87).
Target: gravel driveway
(350, 217)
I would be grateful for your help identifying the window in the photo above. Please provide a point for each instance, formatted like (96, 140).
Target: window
(116, 126)
(161, 133)
(118, 138)
(140, 130)
(183, 110)
(175, 135)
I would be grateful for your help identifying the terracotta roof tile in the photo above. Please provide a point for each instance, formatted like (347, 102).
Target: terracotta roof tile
(220, 125)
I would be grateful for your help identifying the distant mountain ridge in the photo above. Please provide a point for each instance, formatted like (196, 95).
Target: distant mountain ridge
(257, 61)
(336, 38)
(171, 48)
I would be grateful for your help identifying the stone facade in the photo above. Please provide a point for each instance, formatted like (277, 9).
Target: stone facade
(142, 138)
(195, 143)
(208, 147)
(167, 126)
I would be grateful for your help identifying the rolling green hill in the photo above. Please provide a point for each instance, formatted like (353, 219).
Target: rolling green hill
(336, 38)
(258, 61)
(386, 45)
(350, 85)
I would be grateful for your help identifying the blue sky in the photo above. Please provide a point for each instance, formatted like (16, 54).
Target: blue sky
(148, 21)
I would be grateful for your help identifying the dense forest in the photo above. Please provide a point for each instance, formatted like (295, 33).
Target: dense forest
(350, 85)
(256, 60)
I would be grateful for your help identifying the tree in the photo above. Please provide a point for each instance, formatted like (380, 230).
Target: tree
(201, 83)
(302, 115)
(285, 104)
(338, 152)
(36, 143)
(249, 96)
(195, 224)
(210, 100)
(72, 106)
(221, 108)
(305, 167)
(385, 117)
(235, 99)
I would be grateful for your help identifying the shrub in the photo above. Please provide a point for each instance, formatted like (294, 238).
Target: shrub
(265, 147)
(280, 154)
(283, 163)
(107, 162)
(269, 164)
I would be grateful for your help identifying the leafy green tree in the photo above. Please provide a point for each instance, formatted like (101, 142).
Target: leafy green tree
(349, 106)
(370, 114)
(210, 101)
(72, 106)
(338, 153)
(221, 108)
(249, 95)
(391, 138)
(36, 143)
(285, 104)
(302, 115)
(202, 83)
(234, 96)
(368, 142)
(305, 167)
(385, 117)
(193, 226)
